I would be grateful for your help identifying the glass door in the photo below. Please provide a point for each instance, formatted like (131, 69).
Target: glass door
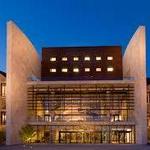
(73, 137)
(82, 137)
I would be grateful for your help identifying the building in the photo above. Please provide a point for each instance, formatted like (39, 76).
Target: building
(76, 94)
(148, 107)
(81, 63)
(2, 100)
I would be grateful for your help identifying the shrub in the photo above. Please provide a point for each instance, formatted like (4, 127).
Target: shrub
(26, 133)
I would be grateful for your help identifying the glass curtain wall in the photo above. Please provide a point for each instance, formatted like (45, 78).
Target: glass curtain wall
(94, 134)
(82, 104)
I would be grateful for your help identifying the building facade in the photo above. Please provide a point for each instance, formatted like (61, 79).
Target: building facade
(82, 63)
(82, 112)
(2, 100)
(83, 95)
(148, 108)
(83, 105)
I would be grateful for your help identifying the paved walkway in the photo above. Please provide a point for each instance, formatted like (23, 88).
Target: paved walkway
(76, 147)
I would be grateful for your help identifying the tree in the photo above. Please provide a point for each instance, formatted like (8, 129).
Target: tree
(26, 133)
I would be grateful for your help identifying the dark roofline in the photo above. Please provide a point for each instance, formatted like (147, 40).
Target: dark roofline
(3, 73)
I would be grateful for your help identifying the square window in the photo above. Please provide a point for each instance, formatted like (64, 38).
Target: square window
(3, 89)
(64, 59)
(110, 58)
(52, 70)
(75, 69)
(87, 69)
(98, 58)
(87, 58)
(98, 69)
(110, 69)
(3, 118)
(64, 70)
(75, 58)
(53, 59)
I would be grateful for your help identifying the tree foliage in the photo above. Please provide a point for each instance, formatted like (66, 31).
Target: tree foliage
(26, 133)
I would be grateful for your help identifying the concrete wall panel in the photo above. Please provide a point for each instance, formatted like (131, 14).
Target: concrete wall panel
(134, 65)
(22, 62)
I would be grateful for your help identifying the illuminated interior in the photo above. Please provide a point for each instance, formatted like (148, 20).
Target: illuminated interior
(75, 113)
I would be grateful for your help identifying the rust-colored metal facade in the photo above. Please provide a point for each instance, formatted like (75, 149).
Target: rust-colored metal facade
(81, 64)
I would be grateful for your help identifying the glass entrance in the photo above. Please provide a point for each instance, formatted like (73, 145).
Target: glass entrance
(80, 137)
(121, 137)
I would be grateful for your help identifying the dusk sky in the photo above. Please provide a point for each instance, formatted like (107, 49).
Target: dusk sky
(49, 23)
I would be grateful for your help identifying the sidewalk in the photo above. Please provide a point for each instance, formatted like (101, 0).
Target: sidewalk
(75, 147)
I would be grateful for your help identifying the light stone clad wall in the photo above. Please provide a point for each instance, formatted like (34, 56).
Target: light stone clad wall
(22, 62)
(134, 65)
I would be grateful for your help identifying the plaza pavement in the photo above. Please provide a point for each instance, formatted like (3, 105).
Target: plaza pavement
(75, 147)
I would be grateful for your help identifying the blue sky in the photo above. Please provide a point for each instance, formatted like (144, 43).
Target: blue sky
(75, 22)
